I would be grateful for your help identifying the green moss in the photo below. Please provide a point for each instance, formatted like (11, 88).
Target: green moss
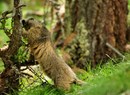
(1, 66)
(79, 48)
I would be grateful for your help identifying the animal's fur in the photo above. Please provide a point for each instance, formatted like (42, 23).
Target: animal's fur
(41, 47)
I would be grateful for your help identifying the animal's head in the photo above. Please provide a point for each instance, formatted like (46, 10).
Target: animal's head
(35, 31)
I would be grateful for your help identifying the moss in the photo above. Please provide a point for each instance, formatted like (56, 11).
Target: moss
(79, 48)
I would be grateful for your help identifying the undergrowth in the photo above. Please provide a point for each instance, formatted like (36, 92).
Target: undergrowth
(108, 79)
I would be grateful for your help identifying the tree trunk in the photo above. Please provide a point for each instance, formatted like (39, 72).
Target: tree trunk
(9, 78)
(100, 26)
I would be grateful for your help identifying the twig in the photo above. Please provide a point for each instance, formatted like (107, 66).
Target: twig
(115, 50)
(36, 74)
(26, 74)
(28, 85)
(23, 5)
(111, 58)
(4, 14)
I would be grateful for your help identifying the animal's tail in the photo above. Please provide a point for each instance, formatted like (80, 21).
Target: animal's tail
(79, 82)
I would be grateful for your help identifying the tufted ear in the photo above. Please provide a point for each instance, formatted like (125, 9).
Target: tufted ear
(23, 23)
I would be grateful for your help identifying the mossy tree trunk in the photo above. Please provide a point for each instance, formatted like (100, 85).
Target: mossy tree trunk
(96, 23)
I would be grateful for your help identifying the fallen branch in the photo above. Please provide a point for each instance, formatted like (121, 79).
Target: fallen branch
(115, 50)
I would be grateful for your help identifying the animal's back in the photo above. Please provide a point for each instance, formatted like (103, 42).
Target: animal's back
(52, 64)
(39, 40)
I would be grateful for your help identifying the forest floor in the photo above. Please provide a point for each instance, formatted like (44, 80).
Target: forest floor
(108, 79)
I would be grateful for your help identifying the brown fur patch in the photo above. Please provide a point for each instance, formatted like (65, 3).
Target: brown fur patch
(43, 51)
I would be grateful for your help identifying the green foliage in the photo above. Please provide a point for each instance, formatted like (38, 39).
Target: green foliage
(45, 89)
(110, 85)
(1, 66)
(128, 3)
(22, 55)
(3, 37)
(128, 18)
(3, 7)
(108, 79)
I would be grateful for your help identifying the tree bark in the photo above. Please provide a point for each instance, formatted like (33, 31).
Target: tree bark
(9, 78)
(97, 23)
